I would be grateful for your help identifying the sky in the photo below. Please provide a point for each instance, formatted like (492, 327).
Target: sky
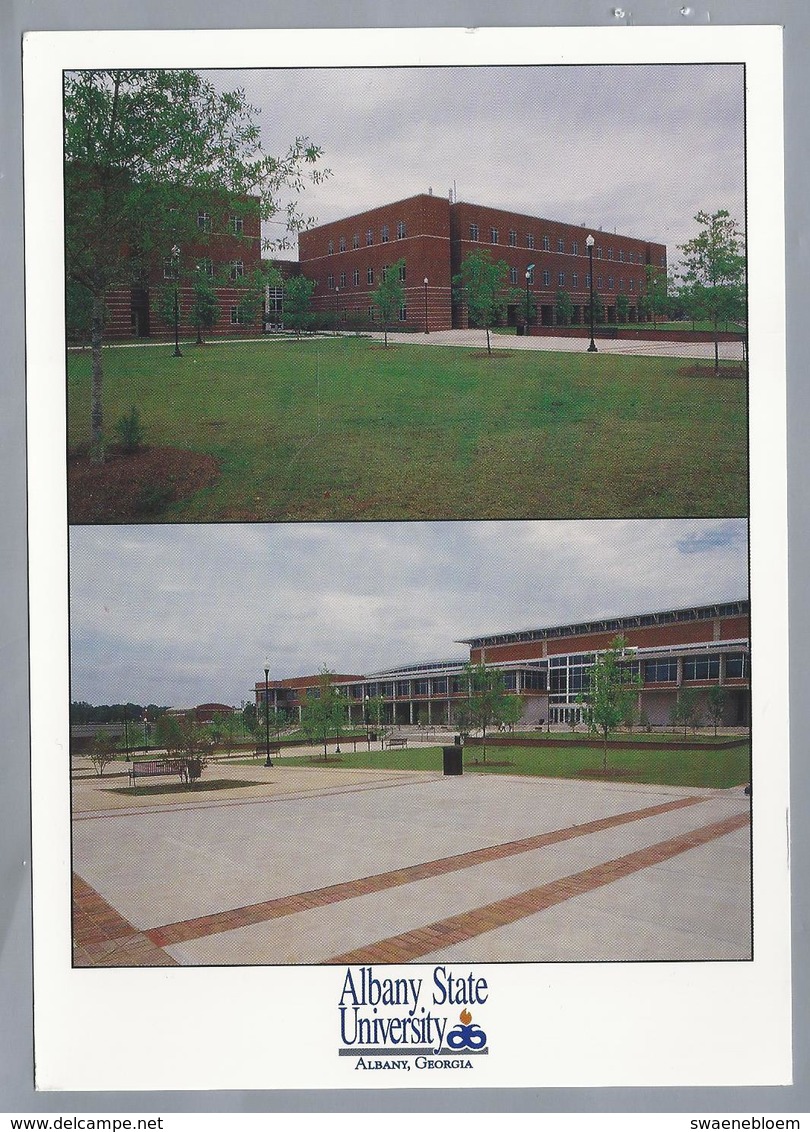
(183, 615)
(636, 148)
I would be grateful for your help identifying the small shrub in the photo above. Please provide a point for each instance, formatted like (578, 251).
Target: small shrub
(129, 430)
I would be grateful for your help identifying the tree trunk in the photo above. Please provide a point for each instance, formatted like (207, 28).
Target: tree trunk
(96, 410)
(489, 347)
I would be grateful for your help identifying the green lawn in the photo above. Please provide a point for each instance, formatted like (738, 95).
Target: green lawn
(344, 429)
(699, 767)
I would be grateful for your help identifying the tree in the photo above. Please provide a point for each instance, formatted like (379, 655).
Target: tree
(611, 686)
(323, 714)
(205, 308)
(101, 751)
(713, 272)
(487, 699)
(654, 300)
(298, 293)
(564, 307)
(716, 705)
(249, 717)
(512, 711)
(622, 307)
(143, 149)
(685, 711)
(389, 295)
(375, 709)
(168, 734)
(481, 285)
(598, 308)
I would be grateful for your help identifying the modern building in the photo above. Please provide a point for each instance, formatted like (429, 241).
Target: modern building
(348, 258)
(697, 648)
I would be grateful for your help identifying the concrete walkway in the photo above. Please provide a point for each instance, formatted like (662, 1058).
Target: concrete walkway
(324, 865)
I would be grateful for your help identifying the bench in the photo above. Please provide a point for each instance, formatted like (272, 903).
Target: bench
(274, 749)
(396, 743)
(157, 767)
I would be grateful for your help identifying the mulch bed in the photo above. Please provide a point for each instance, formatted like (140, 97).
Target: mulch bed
(184, 787)
(136, 486)
(734, 372)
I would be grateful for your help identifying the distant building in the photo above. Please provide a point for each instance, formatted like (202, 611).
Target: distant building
(698, 648)
(347, 258)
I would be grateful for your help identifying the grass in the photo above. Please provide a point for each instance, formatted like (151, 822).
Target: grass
(344, 429)
(698, 767)
(199, 787)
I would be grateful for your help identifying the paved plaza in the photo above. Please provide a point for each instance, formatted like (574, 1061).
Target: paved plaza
(312, 865)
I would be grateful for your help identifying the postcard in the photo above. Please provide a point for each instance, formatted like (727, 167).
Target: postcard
(407, 526)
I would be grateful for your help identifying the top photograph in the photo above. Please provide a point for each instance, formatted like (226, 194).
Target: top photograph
(406, 293)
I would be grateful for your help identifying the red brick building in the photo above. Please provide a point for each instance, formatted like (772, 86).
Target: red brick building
(694, 648)
(346, 259)
(227, 251)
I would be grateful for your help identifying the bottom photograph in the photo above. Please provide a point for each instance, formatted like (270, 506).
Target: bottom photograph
(385, 743)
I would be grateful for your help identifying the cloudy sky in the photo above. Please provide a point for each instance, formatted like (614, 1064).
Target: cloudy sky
(181, 615)
(637, 148)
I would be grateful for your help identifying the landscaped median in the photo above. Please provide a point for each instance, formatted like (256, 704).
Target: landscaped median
(345, 429)
(704, 764)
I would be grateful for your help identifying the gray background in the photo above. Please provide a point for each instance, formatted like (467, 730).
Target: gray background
(16, 1031)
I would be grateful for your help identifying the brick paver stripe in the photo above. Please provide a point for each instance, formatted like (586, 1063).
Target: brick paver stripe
(103, 938)
(414, 944)
(202, 926)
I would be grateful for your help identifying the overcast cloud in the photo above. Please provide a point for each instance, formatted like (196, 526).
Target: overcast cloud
(640, 149)
(181, 615)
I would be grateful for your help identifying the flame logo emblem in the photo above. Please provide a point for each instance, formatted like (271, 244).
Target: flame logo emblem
(466, 1036)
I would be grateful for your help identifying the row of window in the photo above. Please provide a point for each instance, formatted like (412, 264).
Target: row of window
(385, 236)
(330, 279)
(563, 280)
(236, 268)
(545, 244)
(236, 224)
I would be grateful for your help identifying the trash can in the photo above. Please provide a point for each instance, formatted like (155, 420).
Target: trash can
(452, 759)
(520, 328)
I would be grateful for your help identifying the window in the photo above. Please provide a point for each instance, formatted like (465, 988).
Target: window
(701, 668)
(610, 282)
(237, 225)
(632, 284)
(330, 247)
(372, 312)
(621, 284)
(420, 688)
(588, 279)
(512, 239)
(546, 278)
(736, 666)
(384, 234)
(356, 278)
(599, 281)
(237, 316)
(598, 253)
(561, 245)
(575, 248)
(369, 238)
(561, 278)
(513, 275)
(402, 273)
(660, 671)
(342, 244)
(529, 240)
(385, 273)
(330, 281)
(575, 279)
(356, 240)
(400, 229)
(546, 244)
(474, 232)
(237, 269)
(663, 261)
(343, 278)
(403, 313)
(369, 275)
(621, 255)
(204, 221)
(205, 267)
(440, 686)
(510, 681)
(493, 235)
(610, 253)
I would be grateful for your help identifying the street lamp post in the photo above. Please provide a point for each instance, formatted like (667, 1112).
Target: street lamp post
(529, 271)
(337, 310)
(268, 761)
(175, 272)
(126, 734)
(145, 733)
(365, 717)
(426, 312)
(589, 244)
(197, 305)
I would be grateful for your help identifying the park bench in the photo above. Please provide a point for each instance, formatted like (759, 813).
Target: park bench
(274, 749)
(157, 767)
(397, 742)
